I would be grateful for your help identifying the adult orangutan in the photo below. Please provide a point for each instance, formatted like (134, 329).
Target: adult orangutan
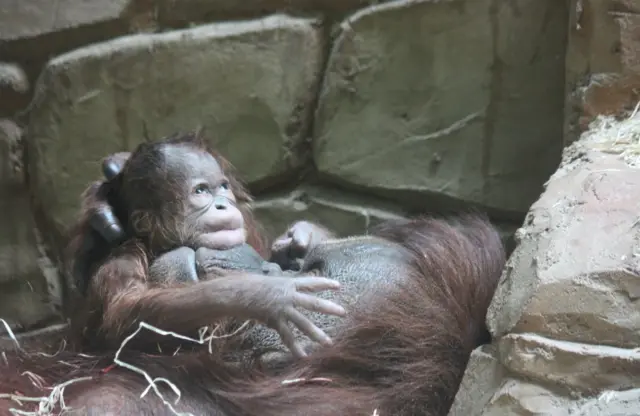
(416, 292)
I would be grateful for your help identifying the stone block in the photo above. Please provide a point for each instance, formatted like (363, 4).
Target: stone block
(30, 291)
(481, 380)
(579, 367)
(429, 97)
(249, 84)
(173, 12)
(611, 403)
(21, 19)
(575, 272)
(520, 398)
(14, 85)
(341, 213)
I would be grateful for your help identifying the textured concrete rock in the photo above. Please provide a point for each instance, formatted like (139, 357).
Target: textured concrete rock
(455, 99)
(613, 403)
(14, 85)
(580, 367)
(249, 84)
(482, 378)
(180, 11)
(565, 317)
(340, 211)
(335, 210)
(519, 398)
(26, 19)
(13, 78)
(28, 294)
(574, 274)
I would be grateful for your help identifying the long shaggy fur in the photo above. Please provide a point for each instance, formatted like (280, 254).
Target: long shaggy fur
(407, 358)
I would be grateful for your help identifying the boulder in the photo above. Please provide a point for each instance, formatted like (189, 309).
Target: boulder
(580, 367)
(483, 376)
(521, 398)
(344, 214)
(177, 12)
(574, 274)
(445, 99)
(21, 19)
(565, 317)
(30, 288)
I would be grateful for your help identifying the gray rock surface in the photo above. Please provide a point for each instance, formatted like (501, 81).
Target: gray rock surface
(30, 290)
(338, 211)
(432, 95)
(26, 19)
(172, 12)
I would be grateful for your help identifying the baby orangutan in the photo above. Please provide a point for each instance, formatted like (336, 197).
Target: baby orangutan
(180, 210)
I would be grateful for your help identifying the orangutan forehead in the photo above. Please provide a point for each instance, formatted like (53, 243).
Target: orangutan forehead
(189, 163)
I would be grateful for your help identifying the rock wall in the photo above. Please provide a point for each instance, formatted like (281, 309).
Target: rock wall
(342, 112)
(566, 315)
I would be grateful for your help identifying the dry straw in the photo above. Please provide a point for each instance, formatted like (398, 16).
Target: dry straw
(47, 405)
(616, 137)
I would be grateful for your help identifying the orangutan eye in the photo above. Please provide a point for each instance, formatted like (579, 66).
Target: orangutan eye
(201, 188)
(225, 185)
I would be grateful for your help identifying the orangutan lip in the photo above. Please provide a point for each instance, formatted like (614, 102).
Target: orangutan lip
(226, 230)
(222, 239)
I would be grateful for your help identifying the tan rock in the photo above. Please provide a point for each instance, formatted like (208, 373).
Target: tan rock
(574, 274)
(443, 110)
(482, 378)
(250, 84)
(612, 403)
(520, 398)
(579, 367)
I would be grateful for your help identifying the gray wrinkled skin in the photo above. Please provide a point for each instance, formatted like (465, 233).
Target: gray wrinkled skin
(176, 265)
(360, 264)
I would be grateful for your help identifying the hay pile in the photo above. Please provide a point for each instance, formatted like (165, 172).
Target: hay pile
(621, 137)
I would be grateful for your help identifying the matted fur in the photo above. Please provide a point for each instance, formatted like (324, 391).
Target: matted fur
(407, 358)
